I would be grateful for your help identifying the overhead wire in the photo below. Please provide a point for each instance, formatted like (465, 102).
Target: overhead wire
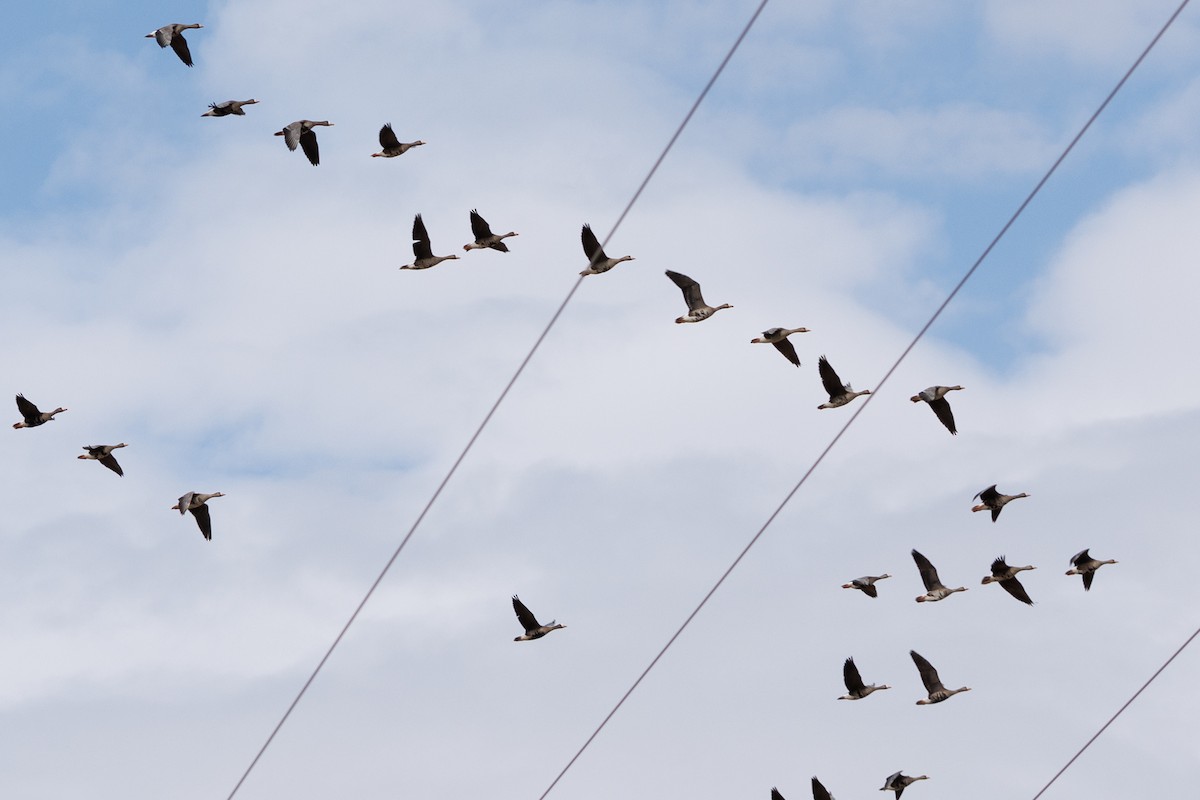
(870, 397)
(496, 405)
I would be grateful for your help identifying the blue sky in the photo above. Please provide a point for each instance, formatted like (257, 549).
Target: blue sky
(190, 287)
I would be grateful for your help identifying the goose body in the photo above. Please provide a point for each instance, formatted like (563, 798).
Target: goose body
(196, 503)
(898, 783)
(855, 688)
(990, 499)
(598, 261)
(934, 590)
(484, 238)
(423, 257)
(698, 310)
(1084, 565)
(300, 133)
(839, 393)
(933, 685)
(1006, 576)
(866, 584)
(227, 108)
(103, 454)
(935, 396)
(533, 628)
(778, 337)
(31, 416)
(173, 35)
(392, 146)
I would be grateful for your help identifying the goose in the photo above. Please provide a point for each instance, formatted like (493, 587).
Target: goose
(1086, 566)
(32, 416)
(533, 629)
(990, 498)
(103, 454)
(597, 260)
(866, 584)
(1006, 576)
(898, 783)
(301, 133)
(392, 146)
(778, 337)
(819, 791)
(934, 590)
(423, 257)
(195, 503)
(484, 238)
(839, 393)
(698, 310)
(855, 688)
(935, 396)
(227, 108)
(173, 35)
(933, 685)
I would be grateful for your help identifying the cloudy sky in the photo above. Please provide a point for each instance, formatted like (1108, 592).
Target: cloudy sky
(190, 287)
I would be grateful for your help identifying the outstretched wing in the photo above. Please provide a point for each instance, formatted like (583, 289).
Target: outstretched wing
(112, 464)
(854, 681)
(308, 143)
(179, 45)
(203, 520)
(789, 352)
(591, 246)
(929, 574)
(929, 675)
(387, 137)
(819, 791)
(479, 227)
(829, 379)
(691, 289)
(421, 246)
(1014, 587)
(988, 495)
(942, 409)
(775, 795)
(524, 615)
(30, 412)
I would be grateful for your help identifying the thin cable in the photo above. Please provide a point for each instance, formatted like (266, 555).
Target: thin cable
(1120, 711)
(862, 407)
(496, 405)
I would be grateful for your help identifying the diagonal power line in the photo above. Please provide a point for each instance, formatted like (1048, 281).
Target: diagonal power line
(496, 405)
(863, 407)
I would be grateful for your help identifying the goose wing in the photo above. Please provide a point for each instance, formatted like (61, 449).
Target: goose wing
(854, 681)
(179, 45)
(421, 245)
(203, 519)
(988, 495)
(1014, 587)
(1076, 559)
(868, 589)
(941, 407)
(929, 675)
(789, 352)
(387, 137)
(291, 135)
(591, 246)
(775, 795)
(185, 502)
(525, 616)
(31, 414)
(112, 464)
(1000, 568)
(479, 227)
(1087, 580)
(829, 379)
(929, 574)
(308, 143)
(691, 289)
(819, 791)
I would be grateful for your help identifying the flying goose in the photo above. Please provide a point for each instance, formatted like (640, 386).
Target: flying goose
(698, 310)
(103, 454)
(173, 35)
(597, 260)
(484, 238)
(423, 257)
(227, 108)
(1006, 576)
(778, 337)
(32, 416)
(839, 393)
(195, 503)
(392, 146)
(935, 396)
(1086, 566)
(934, 590)
(897, 783)
(990, 498)
(866, 584)
(855, 688)
(933, 685)
(533, 629)
(301, 133)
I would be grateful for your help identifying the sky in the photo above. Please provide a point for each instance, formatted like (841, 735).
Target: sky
(188, 286)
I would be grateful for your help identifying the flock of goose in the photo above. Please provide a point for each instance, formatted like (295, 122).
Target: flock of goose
(301, 134)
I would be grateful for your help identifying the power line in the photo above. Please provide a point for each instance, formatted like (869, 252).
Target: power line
(1120, 711)
(496, 405)
(821, 457)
